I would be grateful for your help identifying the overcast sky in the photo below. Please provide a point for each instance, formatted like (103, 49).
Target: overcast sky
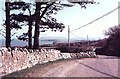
(76, 17)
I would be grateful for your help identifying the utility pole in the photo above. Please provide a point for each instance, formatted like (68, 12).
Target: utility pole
(68, 35)
(88, 40)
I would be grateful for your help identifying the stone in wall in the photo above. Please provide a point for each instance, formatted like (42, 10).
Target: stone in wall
(15, 60)
(66, 55)
(42, 57)
(73, 55)
(18, 58)
(6, 61)
(57, 54)
(92, 54)
(52, 55)
(1, 63)
(33, 59)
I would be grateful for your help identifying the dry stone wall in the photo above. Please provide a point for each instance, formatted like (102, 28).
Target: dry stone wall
(18, 58)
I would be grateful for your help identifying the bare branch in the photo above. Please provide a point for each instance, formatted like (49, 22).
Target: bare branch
(3, 35)
(3, 31)
(3, 9)
(13, 34)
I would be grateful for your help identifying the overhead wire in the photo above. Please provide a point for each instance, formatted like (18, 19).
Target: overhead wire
(97, 19)
(75, 35)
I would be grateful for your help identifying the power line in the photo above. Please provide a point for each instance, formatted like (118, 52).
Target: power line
(96, 19)
(76, 35)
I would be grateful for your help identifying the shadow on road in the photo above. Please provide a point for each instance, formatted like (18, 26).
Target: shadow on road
(98, 70)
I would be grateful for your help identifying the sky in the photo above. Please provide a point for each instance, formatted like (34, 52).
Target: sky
(76, 17)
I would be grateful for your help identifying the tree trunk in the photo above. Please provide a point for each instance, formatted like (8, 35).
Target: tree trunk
(30, 32)
(8, 39)
(30, 35)
(37, 22)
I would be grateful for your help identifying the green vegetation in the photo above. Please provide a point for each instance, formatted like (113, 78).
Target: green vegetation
(112, 46)
(39, 15)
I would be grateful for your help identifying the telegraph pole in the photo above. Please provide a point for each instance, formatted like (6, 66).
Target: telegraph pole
(88, 40)
(68, 35)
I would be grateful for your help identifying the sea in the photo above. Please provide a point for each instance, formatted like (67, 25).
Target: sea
(17, 42)
(24, 43)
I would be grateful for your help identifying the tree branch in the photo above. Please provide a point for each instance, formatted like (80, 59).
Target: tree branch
(13, 34)
(3, 35)
(45, 10)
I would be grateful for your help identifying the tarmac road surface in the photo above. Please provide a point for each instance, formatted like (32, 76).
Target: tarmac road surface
(103, 66)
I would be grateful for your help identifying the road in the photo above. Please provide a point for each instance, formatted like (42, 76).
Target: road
(103, 66)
